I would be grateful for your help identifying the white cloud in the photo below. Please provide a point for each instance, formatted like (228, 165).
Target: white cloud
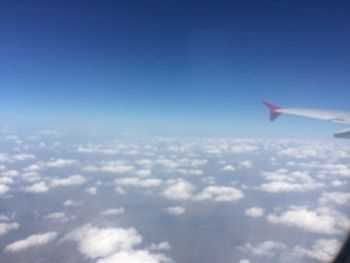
(96, 242)
(68, 181)
(176, 210)
(23, 157)
(120, 190)
(323, 250)
(179, 189)
(58, 216)
(244, 148)
(254, 212)
(338, 198)
(195, 172)
(4, 158)
(7, 227)
(138, 182)
(60, 163)
(246, 164)
(117, 167)
(4, 189)
(91, 190)
(40, 187)
(244, 261)
(228, 168)
(70, 202)
(161, 246)
(266, 248)
(113, 211)
(10, 173)
(33, 168)
(220, 194)
(31, 241)
(321, 220)
(278, 187)
(144, 172)
(135, 256)
(284, 181)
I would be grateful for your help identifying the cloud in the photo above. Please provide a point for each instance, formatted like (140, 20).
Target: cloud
(338, 198)
(117, 167)
(58, 216)
(23, 157)
(176, 210)
(33, 168)
(70, 202)
(10, 173)
(40, 187)
(178, 189)
(91, 190)
(113, 211)
(4, 189)
(4, 158)
(7, 227)
(68, 181)
(284, 181)
(144, 173)
(195, 172)
(255, 212)
(321, 220)
(96, 242)
(323, 250)
(161, 246)
(220, 194)
(138, 182)
(266, 248)
(135, 256)
(278, 187)
(60, 163)
(31, 241)
(246, 164)
(228, 168)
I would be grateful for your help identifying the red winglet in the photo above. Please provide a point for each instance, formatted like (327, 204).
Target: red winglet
(272, 107)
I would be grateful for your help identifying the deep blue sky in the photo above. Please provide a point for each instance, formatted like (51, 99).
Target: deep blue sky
(172, 66)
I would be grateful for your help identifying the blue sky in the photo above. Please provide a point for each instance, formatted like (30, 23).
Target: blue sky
(196, 67)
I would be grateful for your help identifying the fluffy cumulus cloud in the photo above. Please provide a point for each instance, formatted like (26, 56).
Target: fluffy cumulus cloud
(68, 181)
(4, 189)
(284, 181)
(144, 172)
(60, 163)
(338, 198)
(31, 241)
(254, 212)
(266, 248)
(228, 168)
(112, 245)
(58, 216)
(133, 256)
(176, 210)
(117, 167)
(323, 250)
(220, 194)
(320, 220)
(138, 182)
(40, 187)
(178, 189)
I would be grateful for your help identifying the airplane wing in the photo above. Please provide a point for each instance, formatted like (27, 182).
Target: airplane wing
(327, 115)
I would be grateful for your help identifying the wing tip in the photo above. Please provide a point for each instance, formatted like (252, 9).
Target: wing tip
(273, 109)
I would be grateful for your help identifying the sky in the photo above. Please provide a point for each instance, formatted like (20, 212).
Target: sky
(173, 67)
